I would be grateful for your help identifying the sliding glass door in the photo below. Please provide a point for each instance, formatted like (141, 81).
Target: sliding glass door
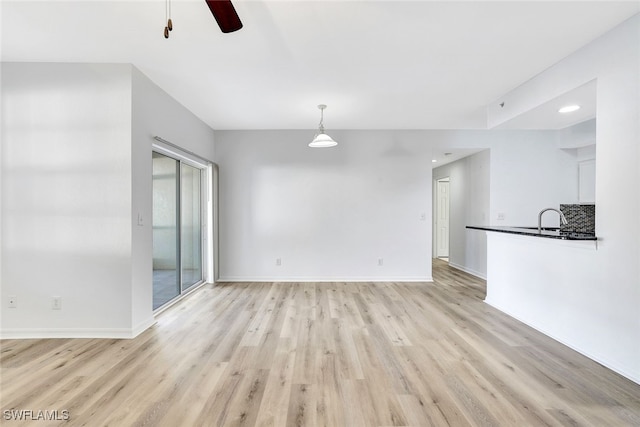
(177, 228)
(191, 226)
(166, 277)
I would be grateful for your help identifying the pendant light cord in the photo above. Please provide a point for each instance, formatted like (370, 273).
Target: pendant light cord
(321, 125)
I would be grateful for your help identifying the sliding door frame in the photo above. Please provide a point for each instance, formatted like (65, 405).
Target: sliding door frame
(208, 215)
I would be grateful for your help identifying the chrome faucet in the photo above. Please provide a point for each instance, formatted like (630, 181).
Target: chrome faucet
(563, 220)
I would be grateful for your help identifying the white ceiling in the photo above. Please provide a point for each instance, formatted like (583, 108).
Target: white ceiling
(376, 64)
(547, 116)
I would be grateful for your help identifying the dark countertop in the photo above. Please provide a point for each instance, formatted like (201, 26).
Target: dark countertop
(548, 232)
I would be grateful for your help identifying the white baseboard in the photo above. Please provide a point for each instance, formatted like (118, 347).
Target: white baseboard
(143, 326)
(44, 333)
(472, 272)
(324, 279)
(625, 371)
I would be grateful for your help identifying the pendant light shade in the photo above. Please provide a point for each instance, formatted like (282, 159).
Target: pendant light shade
(322, 140)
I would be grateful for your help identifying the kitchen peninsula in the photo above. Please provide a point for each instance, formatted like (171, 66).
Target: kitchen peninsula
(539, 277)
(546, 232)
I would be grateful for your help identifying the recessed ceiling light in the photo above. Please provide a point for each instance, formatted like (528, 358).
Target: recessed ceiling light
(569, 109)
(433, 161)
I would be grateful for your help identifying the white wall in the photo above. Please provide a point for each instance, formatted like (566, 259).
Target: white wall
(578, 136)
(528, 170)
(76, 171)
(328, 214)
(610, 295)
(155, 113)
(66, 199)
(529, 173)
(281, 199)
(521, 173)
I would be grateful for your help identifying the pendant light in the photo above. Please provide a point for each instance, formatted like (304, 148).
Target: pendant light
(322, 140)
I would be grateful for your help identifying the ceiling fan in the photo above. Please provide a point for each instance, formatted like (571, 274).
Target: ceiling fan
(225, 15)
(222, 10)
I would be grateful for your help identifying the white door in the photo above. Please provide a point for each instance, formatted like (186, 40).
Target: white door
(442, 219)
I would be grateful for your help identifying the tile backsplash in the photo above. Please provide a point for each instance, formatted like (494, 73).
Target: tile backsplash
(581, 218)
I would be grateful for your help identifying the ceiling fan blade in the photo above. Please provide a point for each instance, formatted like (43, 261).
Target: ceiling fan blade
(225, 15)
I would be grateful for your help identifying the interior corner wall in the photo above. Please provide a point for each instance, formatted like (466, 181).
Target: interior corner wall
(358, 211)
(76, 176)
(155, 113)
(66, 199)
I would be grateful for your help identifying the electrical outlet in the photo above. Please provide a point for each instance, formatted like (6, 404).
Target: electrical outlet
(380, 261)
(56, 303)
(278, 261)
(501, 216)
(423, 216)
(13, 301)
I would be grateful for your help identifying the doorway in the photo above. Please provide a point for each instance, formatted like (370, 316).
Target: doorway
(442, 218)
(178, 218)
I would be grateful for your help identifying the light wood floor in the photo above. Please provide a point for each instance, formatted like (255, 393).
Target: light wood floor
(321, 354)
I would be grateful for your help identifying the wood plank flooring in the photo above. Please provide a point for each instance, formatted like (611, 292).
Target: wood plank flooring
(320, 354)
